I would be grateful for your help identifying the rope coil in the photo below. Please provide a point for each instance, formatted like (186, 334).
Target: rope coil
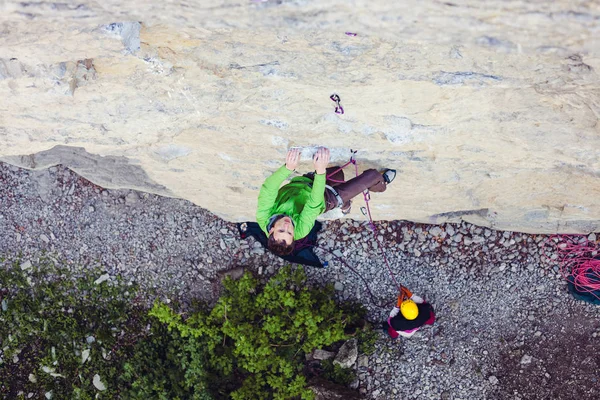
(579, 261)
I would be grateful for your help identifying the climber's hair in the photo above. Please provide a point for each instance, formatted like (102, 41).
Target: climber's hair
(279, 247)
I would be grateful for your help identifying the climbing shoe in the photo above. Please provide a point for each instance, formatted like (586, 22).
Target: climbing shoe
(389, 175)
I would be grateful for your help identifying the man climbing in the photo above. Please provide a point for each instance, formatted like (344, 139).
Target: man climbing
(409, 315)
(289, 213)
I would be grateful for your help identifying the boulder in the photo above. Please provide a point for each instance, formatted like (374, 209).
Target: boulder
(347, 355)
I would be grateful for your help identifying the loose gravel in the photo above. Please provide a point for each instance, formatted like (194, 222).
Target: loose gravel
(506, 328)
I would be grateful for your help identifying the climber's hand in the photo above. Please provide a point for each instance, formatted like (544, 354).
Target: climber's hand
(321, 160)
(394, 312)
(292, 159)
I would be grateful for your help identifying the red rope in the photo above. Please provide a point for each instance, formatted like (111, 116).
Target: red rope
(579, 259)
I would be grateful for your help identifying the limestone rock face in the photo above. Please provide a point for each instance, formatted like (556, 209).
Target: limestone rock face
(488, 110)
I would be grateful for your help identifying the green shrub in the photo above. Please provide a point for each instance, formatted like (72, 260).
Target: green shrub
(165, 366)
(77, 338)
(367, 337)
(358, 327)
(57, 334)
(257, 335)
(337, 373)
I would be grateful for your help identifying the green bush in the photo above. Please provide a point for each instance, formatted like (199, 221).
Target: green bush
(165, 366)
(57, 334)
(367, 337)
(337, 373)
(78, 338)
(358, 327)
(258, 335)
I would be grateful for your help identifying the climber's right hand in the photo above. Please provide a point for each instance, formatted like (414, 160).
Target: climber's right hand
(321, 160)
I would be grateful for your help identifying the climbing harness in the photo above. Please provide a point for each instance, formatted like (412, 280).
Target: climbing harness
(338, 108)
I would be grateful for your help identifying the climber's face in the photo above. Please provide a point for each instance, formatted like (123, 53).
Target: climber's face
(283, 229)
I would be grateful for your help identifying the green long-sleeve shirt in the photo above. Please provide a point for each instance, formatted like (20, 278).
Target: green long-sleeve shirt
(296, 200)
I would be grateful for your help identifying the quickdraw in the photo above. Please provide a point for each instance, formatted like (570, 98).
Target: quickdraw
(338, 108)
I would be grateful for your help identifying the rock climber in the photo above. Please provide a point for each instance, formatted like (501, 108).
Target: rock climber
(409, 315)
(288, 213)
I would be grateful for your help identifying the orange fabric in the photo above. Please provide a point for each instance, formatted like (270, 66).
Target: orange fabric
(405, 294)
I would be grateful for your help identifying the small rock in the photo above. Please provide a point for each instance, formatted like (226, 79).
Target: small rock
(91, 209)
(458, 237)
(363, 361)
(493, 380)
(44, 238)
(339, 286)
(526, 359)
(26, 265)
(131, 198)
(98, 383)
(102, 278)
(85, 355)
(435, 231)
(592, 237)
(235, 273)
(319, 354)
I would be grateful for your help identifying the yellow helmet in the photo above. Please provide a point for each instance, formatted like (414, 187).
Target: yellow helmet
(409, 309)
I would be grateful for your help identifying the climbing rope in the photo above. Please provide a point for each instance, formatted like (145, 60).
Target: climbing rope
(367, 212)
(579, 261)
